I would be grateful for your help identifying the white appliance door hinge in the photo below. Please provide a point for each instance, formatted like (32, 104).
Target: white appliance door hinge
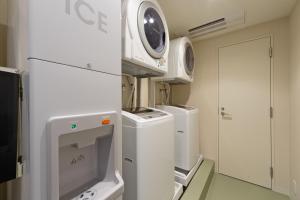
(271, 172)
(271, 52)
(20, 167)
(271, 112)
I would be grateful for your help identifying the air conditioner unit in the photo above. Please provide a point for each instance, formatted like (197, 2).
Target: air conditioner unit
(218, 24)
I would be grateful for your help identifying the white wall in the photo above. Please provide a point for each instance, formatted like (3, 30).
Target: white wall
(3, 32)
(295, 99)
(13, 35)
(127, 87)
(203, 93)
(17, 34)
(3, 11)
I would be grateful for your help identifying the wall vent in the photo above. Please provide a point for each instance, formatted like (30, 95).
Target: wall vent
(217, 25)
(208, 26)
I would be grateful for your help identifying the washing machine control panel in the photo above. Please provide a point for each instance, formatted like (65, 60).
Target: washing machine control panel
(184, 107)
(154, 114)
(145, 113)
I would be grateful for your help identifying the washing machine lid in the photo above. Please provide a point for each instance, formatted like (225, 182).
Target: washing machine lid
(189, 59)
(145, 113)
(152, 29)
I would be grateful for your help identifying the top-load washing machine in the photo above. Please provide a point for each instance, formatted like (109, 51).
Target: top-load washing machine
(181, 62)
(148, 154)
(145, 38)
(187, 154)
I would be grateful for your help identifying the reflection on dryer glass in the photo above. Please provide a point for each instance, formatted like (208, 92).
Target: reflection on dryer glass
(154, 29)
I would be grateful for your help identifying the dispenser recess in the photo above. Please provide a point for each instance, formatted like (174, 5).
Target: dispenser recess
(82, 157)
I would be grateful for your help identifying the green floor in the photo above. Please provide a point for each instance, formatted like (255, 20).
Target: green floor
(200, 183)
(226, 188)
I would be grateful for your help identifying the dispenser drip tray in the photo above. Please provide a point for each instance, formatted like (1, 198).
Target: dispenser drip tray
(103, 190)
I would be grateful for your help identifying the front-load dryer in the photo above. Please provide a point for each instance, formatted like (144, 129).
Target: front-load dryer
(148, 154)
(187, 154)
(181, 62)
(145, 39)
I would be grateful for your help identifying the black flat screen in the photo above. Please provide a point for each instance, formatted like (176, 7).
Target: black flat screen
(9, 110)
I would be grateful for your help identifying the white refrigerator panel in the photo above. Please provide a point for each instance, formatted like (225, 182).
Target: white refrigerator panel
(58, 90)
(81, 33)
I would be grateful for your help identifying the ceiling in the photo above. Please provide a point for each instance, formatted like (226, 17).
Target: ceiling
(183, 15)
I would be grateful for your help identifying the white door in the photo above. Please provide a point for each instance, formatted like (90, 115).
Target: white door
(244, 120)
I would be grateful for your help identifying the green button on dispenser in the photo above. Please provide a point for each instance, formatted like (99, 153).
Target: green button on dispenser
(74, 126)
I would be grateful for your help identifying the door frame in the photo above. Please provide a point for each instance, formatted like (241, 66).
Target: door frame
(271, 98)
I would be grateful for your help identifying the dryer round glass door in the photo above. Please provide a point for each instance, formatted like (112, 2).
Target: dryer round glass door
(189, 59)
(152, 29)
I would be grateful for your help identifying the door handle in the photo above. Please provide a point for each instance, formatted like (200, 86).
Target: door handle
(225, 114)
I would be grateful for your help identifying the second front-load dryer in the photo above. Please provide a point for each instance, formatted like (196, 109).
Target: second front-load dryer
(181, 62)
(145, 38)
